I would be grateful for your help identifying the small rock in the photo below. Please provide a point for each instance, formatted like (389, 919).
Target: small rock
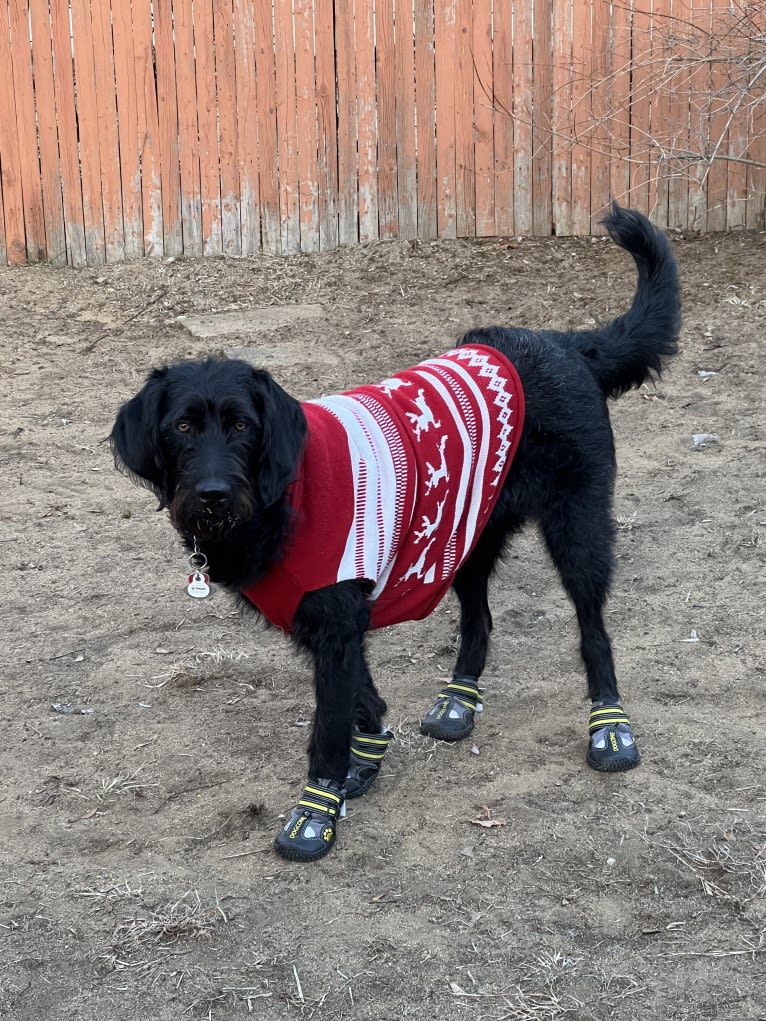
(700, 440)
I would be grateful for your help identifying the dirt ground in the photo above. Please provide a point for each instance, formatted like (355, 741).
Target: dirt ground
(138, 879)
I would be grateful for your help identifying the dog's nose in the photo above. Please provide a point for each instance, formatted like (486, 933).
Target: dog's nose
(212, 490)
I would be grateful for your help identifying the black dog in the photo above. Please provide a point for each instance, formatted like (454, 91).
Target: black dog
(247, 472)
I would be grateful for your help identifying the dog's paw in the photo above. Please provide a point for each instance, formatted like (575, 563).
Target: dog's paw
(310, 830)
(367, 751)
(452, 715)
(612, 747)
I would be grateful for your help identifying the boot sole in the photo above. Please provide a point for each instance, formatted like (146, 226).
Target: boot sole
(442, 733)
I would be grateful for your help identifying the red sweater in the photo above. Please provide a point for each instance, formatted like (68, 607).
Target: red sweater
(397, 481)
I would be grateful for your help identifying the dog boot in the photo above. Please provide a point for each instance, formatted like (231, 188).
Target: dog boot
(452, 715)
(611, 748)
(367, 751)
(309, 832)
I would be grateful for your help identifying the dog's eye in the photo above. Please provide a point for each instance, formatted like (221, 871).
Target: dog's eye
(183, 426)
(240, 426)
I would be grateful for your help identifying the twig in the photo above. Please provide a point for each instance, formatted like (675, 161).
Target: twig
(298, 985)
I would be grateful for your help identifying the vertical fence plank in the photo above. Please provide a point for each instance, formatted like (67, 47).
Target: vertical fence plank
(406, 142)
(306, 116)
(348, 207)
(503, 118)
(678, 127)
(542, 55)
(582, 54)
(756, 171)
(445, 18)
(50, 163)
(31, 187)
(699, 79)
(127, 119)
(641, 168)
(246, 113)
(188, 139)
(561, 164)
(107, 131)
(266, 115)
(168, 132)
(67, 133)
(617, 99)
(289, 209)
(718, 171)
(425, 118)
(367, 121)
(599, 109)
(148, 127)
(385, 73)
(522, 115)
(465, 166)
(91, 174)
(10, 157)
(327, 128)
(228, 132)
(736, 48)
(484, 155)
(660, 118)
(207, 126)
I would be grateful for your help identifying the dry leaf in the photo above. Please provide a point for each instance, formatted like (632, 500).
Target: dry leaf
(486, 820)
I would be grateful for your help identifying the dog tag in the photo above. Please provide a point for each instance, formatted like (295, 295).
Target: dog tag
(198, 585)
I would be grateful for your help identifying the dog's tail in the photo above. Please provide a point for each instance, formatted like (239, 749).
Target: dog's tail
(631, 349)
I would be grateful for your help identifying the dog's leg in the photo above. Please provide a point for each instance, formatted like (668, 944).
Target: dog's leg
(579, 534)
(452, 715)
(331, 624)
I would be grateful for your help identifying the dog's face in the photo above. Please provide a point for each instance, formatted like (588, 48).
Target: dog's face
(218, 442)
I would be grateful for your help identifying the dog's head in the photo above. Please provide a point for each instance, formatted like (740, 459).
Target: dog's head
(218, 442)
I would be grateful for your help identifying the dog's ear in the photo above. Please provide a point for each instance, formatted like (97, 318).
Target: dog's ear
(135, 437)
(283, 431)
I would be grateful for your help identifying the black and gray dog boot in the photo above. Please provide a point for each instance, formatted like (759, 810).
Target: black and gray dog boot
(612, 747)
(367, 751)
(309, 832)
(451, 717)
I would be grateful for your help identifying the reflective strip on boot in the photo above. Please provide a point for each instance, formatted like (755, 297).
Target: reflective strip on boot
(321, 799)
(371, 747)
(606, 715)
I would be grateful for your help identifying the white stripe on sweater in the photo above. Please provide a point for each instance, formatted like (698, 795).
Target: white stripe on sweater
(370, 538)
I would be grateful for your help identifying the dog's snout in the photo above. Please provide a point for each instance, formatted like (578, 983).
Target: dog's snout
(212, 490)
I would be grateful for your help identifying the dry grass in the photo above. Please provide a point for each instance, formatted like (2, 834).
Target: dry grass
(104, 790)
(521, 1004)
(732, 867)
(111, 892)
(122, 785)
(160, 935)
(220, 655)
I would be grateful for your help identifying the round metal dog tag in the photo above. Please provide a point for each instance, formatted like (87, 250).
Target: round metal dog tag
(198, 585)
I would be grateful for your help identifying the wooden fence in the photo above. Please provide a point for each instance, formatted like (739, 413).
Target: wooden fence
(230, 127)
